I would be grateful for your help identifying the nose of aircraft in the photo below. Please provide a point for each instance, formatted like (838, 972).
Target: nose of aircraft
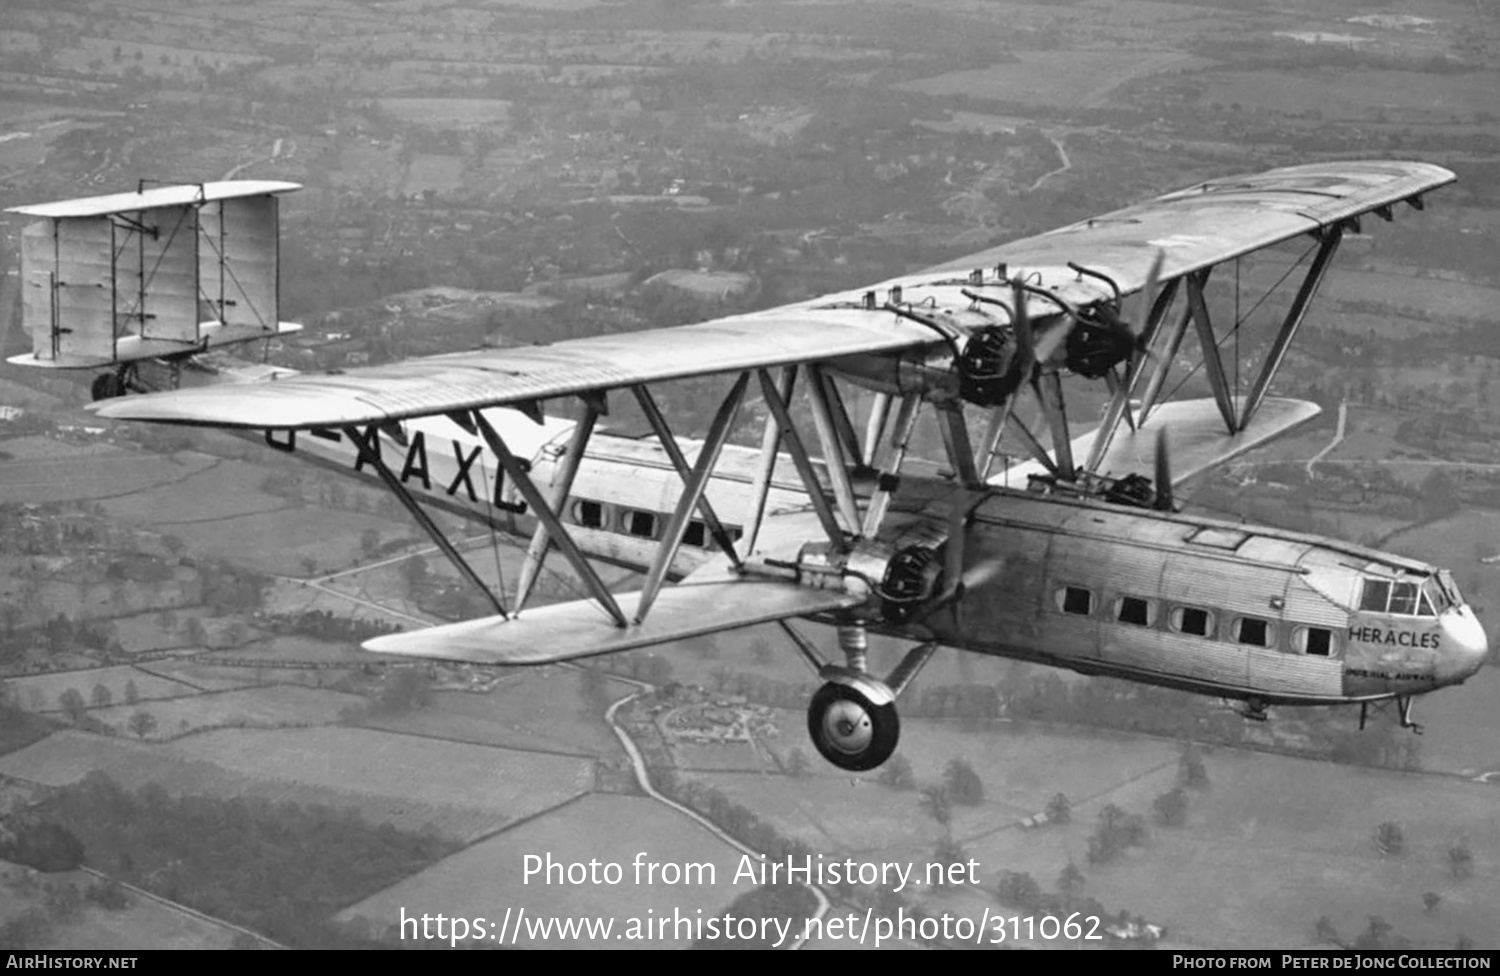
(1465, 646)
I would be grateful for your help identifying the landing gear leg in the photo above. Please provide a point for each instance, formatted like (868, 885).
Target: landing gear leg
(852, 719)
(1403, 705)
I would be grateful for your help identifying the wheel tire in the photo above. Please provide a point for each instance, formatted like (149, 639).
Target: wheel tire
(849, 731)
(107, 386)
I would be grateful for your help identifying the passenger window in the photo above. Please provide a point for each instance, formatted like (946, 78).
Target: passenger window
(1192, 620)
(1317, 641)
(1253, 631)
(641, 524)
(1076, 599)
(1133, 610)
(588, 514)
(696, 535)
(1376, 595)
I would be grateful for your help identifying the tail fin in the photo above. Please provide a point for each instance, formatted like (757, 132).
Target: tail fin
(160, 272)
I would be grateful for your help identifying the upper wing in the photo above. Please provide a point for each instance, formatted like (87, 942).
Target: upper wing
(1206, 224)
(1194, 228)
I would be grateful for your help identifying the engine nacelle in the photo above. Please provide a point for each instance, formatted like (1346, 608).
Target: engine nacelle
(894, 582)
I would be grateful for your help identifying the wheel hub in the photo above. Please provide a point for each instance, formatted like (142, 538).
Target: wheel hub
(848, 727)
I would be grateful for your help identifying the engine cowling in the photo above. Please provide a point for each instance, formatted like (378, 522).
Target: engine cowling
(895, 582)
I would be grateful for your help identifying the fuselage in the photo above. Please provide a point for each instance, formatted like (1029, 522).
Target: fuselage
(1171, 599)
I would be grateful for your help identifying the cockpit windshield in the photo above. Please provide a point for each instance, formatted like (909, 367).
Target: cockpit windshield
(1408, 597)
(1447, 588)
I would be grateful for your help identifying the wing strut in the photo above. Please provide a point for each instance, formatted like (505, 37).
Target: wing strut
(835, 460)
(536, 550)
(880, 415)
(1049, 394)
(960, 451)
(669, 444)
(799, 456)
(1165, 359)
(1291, 323)
(692, 494)
(544, 513)
(770, 446)
(1119, 401)
(1212, 361)
(886, 481)
(371, 456)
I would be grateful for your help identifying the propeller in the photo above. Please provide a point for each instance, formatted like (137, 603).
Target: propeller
(1161, 481)
(1128, 330)
(959, 578)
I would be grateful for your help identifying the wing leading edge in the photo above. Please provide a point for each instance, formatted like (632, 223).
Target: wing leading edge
(1193, 228)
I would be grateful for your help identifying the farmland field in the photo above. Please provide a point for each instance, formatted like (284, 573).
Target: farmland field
(50, 686)
(68, 473)
(142, 924)
(462, 791)
(1021, 769)
(278, 541)
(543, 709)
(1349, 94)
(1277, 842)
(503, 783)
(276, 706)
(489, 874)
(219, 489)
(1051, 78)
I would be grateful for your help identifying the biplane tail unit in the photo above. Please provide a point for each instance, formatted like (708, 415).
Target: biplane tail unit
(1077, 556)
(158, 275)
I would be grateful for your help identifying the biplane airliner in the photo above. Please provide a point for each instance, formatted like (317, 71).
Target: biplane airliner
(1076, 556)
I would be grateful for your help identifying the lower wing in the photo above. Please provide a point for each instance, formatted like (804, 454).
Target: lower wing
(713, 598)
(1196, 439)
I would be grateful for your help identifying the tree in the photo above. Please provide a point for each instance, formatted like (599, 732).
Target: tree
(1018, 889)
(1070, 880)
(1190, 769)
(1389, 839)
(1460, 861)
(936, 804)
(195, 632)
(1377, 936)
(73, 706)
(897, 774)
(1171, 808)
(142, 723)
(1059, 809)
(132, 693)
(101, 696)
(369, 541)
(796, 763)
(962, 783)
(1430, 901)
(1326, 932)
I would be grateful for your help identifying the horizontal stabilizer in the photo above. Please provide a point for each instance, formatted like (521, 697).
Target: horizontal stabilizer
(711, 600)
(129, 348)
(1196, 437)
(166, 271)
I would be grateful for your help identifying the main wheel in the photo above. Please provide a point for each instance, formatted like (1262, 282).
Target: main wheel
(849, 730)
